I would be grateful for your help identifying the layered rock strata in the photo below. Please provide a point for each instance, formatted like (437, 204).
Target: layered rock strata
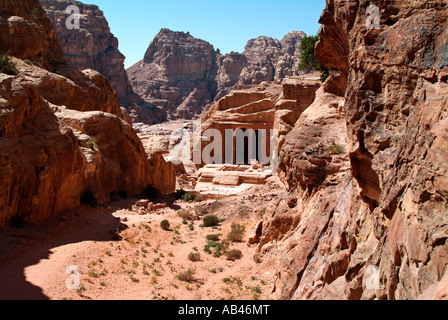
(184, 75)
(93, 46)
(61, 132)
(366, 213)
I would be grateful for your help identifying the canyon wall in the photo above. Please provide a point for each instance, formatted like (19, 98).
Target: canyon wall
(366, 163)
(62, 135)
(185, 75)
(93, 46)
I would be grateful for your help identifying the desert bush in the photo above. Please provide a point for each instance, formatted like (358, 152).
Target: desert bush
(186, 276)
(187, 214)
(257, 258)
(336, 149)
(38, 14)
(220, 247)
(194, 256)
(234, 254)
(165, 225)
(91, 143)
(237, 232)
(210, 221)
(6, 66)
(188, 196)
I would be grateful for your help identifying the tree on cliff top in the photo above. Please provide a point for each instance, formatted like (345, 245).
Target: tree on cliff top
(308, 60)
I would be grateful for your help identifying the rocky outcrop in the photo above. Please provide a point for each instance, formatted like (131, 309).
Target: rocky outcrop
(366, 163)
(27, 34)
(177, 73)
(185, 75)
(230, 67)
(164, 172)
(271, 60)
(93, 46)
(269, 107)
(61, 132)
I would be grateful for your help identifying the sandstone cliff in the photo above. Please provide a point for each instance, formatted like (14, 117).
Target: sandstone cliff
(185, 75)
(270, 59)
(177, 73)
(365, 164)
(61, 132)
(93, 46)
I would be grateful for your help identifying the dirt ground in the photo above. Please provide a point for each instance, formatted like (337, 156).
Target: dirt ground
(121, 255)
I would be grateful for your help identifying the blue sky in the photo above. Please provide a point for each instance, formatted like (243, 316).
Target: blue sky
(227, 25)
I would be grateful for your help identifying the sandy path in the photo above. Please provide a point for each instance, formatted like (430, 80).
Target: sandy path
(144, 264)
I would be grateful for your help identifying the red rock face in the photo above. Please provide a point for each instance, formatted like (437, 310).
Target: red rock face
(29, 37)
(61, 131)
(377, 210)
(177, 73)
(93, 46)
(185, 75)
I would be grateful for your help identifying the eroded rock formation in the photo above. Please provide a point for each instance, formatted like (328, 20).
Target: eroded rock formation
(185, 75)
(61, 131)
(366, 164)
(93, 46)
(270, 59)
(177, 73)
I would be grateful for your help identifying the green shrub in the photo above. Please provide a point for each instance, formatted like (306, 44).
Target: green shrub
(91, 143)
(210, 221)
(165, 225)
(336, 149)
(38, 14)
(212, 244)
(151, 193)
(89, 197)
(308, 60)
(188, 196)
(220, 247)
(194, 256)
(6, 66)
(237, 232)
(234, 254)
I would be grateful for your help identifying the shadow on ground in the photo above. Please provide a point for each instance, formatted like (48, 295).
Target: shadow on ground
(24, 247)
